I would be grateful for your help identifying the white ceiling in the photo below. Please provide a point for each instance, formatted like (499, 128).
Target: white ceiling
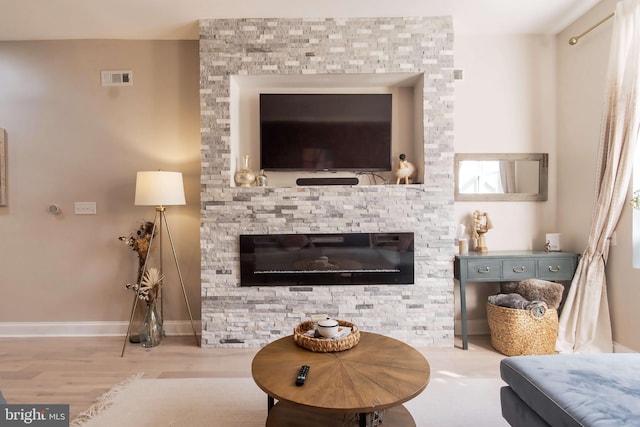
(178, 19)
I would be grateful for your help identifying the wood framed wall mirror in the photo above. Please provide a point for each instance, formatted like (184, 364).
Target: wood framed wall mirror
(501, 176)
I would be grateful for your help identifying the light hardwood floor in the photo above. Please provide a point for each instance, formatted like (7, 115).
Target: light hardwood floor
(76, 371)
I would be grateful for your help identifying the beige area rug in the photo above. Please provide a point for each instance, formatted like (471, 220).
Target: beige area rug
(225, 402)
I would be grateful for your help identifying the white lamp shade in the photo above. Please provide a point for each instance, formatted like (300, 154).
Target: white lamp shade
(159, 188)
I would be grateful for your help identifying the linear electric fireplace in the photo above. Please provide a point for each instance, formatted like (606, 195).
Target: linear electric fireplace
(326, 259)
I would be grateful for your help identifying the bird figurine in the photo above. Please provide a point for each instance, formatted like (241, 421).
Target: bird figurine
(404, 170)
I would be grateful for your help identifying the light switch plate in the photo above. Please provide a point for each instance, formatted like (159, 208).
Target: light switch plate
(84, 208)
(116, 78)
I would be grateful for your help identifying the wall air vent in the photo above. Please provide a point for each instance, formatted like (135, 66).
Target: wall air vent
(117, 78)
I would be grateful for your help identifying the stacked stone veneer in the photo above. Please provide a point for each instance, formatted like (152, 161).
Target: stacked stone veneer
(420, 314)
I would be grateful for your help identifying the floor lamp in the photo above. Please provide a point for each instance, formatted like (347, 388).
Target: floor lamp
(160, 189)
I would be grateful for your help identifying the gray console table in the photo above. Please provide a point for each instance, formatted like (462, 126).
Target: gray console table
(509, 266)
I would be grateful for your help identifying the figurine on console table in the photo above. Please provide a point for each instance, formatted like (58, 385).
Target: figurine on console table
(481, 224)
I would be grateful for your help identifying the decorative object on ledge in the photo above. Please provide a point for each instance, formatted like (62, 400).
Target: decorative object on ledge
(245, 176)
(261, 179)
(481, 224)
(325, 345)
(160, 189)
(404, 170)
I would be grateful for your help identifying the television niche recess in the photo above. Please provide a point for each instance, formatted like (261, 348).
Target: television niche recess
(325, 132)
(326, 259)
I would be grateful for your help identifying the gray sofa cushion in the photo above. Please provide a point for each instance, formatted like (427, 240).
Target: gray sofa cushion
(516, 412)
(601, 390)
(2, 401)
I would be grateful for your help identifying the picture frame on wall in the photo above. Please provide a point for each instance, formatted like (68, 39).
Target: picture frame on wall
(3, 168)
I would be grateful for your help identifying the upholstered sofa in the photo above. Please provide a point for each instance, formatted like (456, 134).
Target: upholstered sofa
(598, 390)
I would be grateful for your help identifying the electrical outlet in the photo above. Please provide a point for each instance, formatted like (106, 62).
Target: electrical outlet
(84, 208)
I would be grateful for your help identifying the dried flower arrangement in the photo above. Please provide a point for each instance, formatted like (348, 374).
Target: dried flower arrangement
(149, 285)
(138, 241)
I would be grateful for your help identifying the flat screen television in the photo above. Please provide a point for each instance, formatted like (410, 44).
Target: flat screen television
(325, 132)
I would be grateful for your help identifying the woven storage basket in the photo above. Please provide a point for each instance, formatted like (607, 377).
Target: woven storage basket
(325, 345)
(516, 332)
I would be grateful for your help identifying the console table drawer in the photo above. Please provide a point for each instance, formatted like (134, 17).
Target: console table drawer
(556, 268)
(518, 269)
(484, 270)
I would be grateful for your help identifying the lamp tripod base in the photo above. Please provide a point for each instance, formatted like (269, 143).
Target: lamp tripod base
(158, 221)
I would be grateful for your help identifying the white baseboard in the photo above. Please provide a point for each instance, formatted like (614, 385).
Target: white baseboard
(86, 329)
(172, 328)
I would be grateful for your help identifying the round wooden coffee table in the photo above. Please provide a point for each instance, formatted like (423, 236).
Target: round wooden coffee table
(352, 387)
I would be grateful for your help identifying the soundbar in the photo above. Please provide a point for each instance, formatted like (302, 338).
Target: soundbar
(327, 181)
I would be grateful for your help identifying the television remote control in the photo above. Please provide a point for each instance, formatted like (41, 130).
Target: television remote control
(302, 375)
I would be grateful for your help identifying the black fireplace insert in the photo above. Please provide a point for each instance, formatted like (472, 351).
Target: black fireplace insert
(326, 259)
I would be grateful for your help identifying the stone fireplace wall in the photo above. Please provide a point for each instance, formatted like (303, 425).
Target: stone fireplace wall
(419, 314)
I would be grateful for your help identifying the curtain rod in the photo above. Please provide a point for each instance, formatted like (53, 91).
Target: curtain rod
(574, 40)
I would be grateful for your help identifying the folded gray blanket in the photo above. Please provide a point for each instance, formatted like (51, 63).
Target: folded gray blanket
(509, 300)
(536, 290)
(517, 301)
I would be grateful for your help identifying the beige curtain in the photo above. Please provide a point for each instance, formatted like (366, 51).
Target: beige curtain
(508, 176)
(585, 325)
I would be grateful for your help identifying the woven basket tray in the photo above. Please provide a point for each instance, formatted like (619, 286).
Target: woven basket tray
(516, 332)
(325, 345)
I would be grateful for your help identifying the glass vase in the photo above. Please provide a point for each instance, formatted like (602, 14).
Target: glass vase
(261, 179)
(245, 177)
(151, 326)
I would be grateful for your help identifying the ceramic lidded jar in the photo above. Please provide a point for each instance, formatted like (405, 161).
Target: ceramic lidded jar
(328, 328)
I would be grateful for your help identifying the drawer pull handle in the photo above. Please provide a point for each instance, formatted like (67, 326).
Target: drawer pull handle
(554, 269)
(519, 269)
(484, 270)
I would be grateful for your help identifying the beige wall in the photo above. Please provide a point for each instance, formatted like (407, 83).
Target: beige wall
(69, 139)
(52, 99)
(505, 103)
(581, 78)
(544, 95)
